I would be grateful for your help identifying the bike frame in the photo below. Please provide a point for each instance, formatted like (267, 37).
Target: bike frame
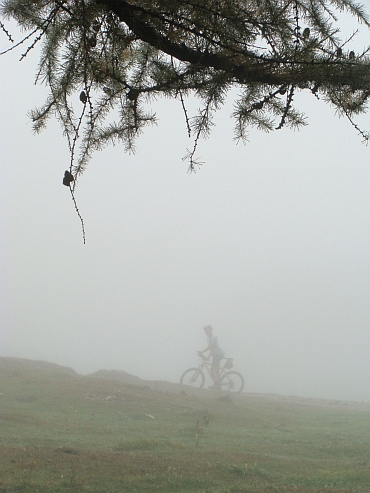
(206, 363)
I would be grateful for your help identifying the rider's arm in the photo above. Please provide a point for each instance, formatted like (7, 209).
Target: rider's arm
(208, 348)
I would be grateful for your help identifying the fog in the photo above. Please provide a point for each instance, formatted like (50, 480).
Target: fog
(268, 242)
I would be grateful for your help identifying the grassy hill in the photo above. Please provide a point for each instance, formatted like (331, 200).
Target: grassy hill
(110, 432)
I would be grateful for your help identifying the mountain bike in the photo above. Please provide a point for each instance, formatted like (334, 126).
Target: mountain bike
(231, 381)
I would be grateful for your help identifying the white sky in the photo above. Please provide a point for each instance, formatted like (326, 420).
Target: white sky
(268, 242)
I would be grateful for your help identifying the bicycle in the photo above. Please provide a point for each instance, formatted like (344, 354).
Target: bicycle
(231, 381)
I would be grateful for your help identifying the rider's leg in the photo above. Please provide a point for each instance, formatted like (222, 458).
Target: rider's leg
(215, 370)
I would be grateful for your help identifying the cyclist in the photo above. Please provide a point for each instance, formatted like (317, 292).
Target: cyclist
(216, 353)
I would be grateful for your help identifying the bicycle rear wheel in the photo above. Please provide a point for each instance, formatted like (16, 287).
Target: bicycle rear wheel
(232, 381)
(193, 377)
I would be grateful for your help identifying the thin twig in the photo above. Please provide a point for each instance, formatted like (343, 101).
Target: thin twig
(288, 105)
(185, 113)
(20, 42)
(6, 32)
(75, 138)
(364, 135)
(34, 43)
(79, 214)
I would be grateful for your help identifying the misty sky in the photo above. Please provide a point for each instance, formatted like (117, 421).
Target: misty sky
(268, 242)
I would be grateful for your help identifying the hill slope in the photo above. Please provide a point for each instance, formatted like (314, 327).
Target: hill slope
(61, 431)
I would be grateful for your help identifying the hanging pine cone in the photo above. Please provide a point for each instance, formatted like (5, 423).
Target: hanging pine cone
(68, 178)
(83, 97)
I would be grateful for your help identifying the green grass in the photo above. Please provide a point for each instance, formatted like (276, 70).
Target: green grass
(61, 432)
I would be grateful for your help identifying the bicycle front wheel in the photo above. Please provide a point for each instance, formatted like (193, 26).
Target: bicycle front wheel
(193, 377)
(232, 381)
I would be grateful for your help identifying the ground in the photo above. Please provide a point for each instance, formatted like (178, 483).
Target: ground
(61, 431)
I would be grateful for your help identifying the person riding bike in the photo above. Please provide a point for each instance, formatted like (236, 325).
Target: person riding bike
(216, 353)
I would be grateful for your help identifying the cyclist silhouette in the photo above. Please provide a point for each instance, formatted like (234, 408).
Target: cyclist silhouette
(216, 353)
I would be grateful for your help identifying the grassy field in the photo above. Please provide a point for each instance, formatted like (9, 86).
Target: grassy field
(62, 432)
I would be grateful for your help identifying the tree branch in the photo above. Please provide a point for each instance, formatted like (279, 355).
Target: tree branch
(254, 68)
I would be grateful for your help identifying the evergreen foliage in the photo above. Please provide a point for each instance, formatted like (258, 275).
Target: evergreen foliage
(117, 55)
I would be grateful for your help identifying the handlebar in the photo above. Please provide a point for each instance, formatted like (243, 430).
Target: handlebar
(201, 355)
